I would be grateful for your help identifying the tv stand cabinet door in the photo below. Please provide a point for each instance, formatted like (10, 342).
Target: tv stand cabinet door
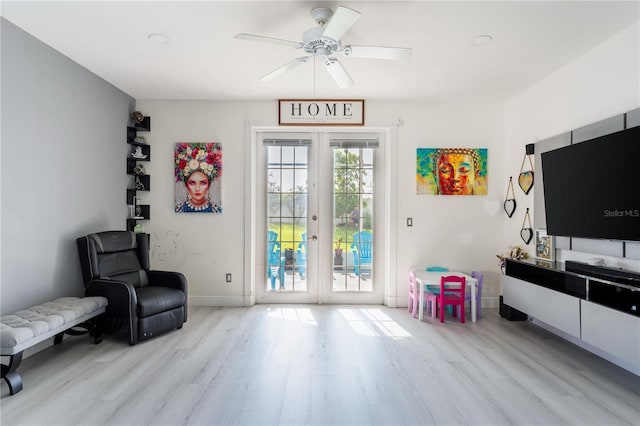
(613, 332)
(556, 309)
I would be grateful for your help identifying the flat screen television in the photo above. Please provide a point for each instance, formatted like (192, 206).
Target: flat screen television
(592, 188)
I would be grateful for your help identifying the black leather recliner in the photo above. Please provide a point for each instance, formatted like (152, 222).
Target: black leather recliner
(115, 264)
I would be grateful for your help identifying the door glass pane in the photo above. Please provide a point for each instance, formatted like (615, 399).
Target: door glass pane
(286, 255)
(353, 219)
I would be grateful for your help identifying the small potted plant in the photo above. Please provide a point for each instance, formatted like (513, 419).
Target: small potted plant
(337, 260)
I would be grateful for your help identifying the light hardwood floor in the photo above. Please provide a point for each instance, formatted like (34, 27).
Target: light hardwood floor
(324, 365)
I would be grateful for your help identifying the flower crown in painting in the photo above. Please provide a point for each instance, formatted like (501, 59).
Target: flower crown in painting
(198, 157)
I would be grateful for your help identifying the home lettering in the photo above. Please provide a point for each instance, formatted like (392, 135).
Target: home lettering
(313, 109)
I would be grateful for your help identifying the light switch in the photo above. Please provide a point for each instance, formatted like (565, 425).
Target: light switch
(409, 221)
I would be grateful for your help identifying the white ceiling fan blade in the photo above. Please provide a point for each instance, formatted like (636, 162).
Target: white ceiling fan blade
(340, 22)
(282, 42)
(284, 68)
(338, 73)
(378, 52)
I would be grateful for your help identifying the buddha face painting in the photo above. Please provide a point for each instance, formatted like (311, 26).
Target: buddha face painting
(456, 171)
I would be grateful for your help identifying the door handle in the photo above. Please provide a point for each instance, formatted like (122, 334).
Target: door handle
(314, 237)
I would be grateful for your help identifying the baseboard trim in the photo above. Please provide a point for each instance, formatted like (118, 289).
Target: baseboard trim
(391, 302)
(233, 301)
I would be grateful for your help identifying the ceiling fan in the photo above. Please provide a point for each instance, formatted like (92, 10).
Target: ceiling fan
(323, 42)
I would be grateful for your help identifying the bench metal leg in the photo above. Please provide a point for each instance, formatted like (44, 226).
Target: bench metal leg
(89, 327)
(11, 376)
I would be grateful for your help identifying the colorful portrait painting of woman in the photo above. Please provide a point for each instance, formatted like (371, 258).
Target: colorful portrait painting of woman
(451, 171)
(198, 169)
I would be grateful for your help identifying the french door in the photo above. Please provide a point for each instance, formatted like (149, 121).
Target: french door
(317, 218)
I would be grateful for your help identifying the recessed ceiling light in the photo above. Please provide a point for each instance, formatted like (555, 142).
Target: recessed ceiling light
(481, 40)
(158, 38)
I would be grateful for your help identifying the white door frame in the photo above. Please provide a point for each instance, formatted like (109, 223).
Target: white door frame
(385, 225)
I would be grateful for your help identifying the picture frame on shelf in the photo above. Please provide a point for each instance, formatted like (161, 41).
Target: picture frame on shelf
(545, 248)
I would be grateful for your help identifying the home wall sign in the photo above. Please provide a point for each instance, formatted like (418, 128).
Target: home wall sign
(321, 112)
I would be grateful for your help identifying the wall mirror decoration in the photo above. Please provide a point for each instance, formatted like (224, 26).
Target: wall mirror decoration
(510, 203)
(526, 233)
(525, 179)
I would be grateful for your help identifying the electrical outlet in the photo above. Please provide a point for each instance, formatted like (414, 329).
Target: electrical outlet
(409, 221)
(228, 277)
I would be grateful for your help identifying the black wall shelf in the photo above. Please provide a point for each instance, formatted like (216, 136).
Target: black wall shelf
(138, 144)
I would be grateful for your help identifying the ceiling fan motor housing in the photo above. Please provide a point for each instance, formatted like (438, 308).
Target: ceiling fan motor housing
(314, 43)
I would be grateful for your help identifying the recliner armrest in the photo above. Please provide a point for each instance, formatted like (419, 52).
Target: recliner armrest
(168, 279)
(120, 294)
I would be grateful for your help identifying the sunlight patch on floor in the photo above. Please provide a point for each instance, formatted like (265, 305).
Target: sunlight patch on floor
(303, 315)
(373, 323)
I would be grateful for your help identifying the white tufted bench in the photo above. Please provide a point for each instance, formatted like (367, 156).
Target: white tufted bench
(25, 328)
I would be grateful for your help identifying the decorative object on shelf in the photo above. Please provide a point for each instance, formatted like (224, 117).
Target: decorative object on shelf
(510, 203)
(137, 154)
(135, 209)
(138, 229)
(451, 171)
(526, 233)
(139, 185)
(197, 171)
(137, 117)
(515, 252)
(544, 245)
(139, 169)
(525, 179)
(140, 139)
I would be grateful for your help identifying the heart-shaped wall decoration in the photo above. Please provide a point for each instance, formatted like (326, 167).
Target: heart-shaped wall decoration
(526, 234)
(525, 180)
(510, 206)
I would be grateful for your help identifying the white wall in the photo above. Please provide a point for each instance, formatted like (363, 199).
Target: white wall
(207, 245)
(460, 232)
(600, 84)
(63, 167)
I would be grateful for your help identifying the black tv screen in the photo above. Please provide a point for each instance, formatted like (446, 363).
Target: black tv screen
(592, 188)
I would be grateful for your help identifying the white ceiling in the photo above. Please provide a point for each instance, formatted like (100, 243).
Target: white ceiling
(204, 62)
